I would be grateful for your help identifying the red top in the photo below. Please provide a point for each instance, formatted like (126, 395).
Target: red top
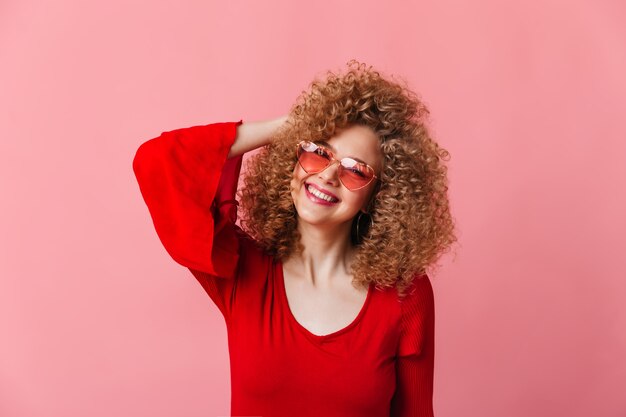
(379, 365)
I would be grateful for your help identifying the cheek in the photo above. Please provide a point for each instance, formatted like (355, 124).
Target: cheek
(353, 201)
(360, 201)
(361, 198)
(298, 176)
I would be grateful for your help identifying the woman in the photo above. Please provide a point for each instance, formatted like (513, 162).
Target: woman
(323, 288)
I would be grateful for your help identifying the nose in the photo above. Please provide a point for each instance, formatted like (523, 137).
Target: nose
(330, 174)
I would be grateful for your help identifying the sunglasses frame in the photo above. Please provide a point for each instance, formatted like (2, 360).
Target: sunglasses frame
(332, 161)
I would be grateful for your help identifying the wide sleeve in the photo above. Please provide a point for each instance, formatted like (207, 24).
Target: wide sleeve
(189, 186)
(416, 353)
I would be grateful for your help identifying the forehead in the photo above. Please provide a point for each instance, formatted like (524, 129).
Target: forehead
(357, 142)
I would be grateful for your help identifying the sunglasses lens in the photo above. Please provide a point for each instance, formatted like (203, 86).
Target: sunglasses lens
(354, 174)
(312, 157)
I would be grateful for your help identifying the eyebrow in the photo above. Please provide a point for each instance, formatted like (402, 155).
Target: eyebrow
(328, 145)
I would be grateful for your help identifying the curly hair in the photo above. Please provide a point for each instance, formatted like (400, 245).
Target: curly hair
(410, 225)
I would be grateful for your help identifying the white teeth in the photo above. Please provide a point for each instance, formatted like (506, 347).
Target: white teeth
(320, 194)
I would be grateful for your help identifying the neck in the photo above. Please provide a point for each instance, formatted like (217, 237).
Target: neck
(327, 254)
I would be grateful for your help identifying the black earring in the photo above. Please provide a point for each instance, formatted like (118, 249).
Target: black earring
(363, 222)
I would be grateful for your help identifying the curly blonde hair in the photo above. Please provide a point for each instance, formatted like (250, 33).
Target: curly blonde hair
(410, 225)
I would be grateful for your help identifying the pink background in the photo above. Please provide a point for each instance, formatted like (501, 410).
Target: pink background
(530, 99)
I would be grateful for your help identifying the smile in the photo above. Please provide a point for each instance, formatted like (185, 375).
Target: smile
(319, 194)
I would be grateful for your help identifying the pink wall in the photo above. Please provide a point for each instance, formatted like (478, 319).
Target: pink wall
(530, 99)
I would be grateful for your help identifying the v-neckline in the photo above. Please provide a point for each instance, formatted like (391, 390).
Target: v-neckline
(292, 318)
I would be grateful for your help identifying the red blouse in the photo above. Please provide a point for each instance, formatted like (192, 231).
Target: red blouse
(379, 365)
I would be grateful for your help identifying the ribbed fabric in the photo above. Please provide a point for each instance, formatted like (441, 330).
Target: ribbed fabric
(380, 365)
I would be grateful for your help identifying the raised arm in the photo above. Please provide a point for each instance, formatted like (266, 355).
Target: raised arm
(187, 178)
(252, 135)
(189, 184)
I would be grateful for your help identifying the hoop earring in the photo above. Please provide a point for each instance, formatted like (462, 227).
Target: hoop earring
(359, 237)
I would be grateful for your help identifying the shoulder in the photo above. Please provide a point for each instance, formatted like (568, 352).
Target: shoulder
(419, 292)
(417, 316)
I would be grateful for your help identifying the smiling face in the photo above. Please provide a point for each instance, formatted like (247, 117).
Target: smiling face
(321, 199)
